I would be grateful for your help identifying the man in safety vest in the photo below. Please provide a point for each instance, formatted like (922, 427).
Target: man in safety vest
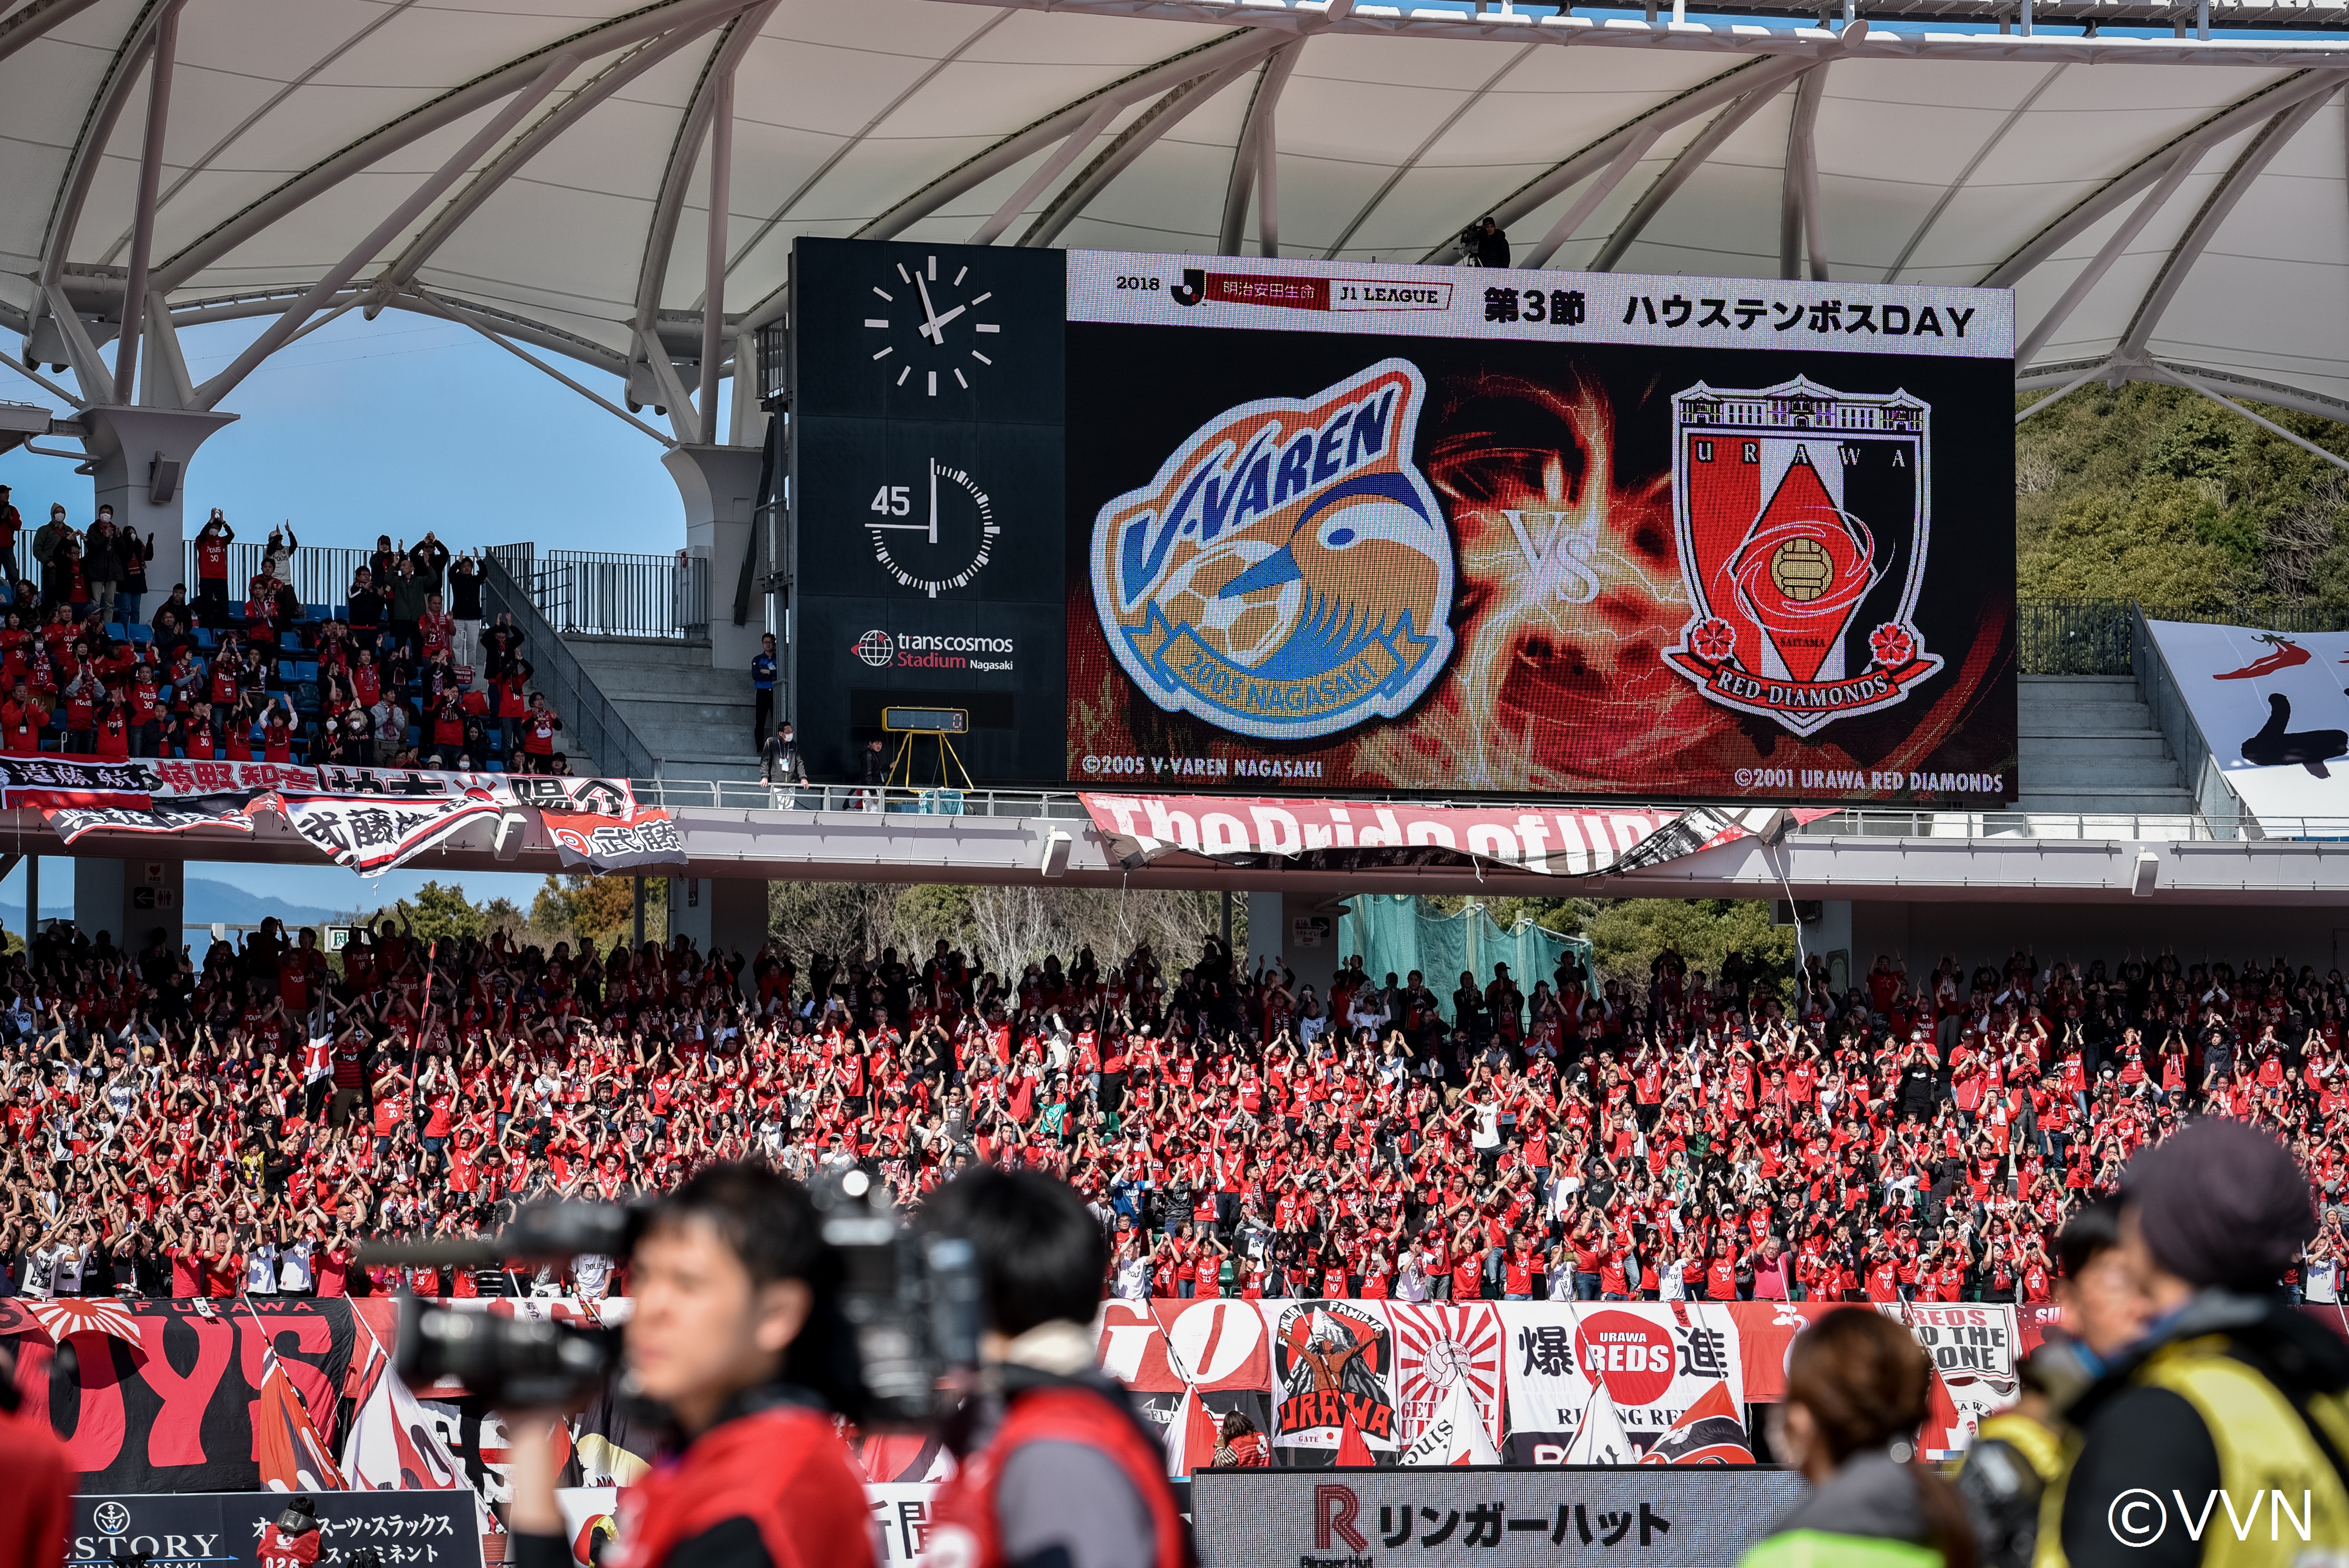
(1062, 1471)
(2019, 1457)
(2218, 1437)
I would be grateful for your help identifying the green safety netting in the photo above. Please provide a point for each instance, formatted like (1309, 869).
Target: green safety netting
(1399, 932)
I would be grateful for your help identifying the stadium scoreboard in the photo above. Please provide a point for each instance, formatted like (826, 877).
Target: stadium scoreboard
(1159, 522)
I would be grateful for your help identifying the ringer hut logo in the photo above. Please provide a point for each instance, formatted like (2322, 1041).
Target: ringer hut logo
(1803, 520)
(1289, 573)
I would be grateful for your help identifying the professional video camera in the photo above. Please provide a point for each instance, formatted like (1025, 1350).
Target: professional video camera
(911, 1298)
(911, 1301)
(514, 1362)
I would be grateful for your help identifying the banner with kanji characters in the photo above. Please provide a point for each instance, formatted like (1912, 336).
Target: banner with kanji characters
(646, 837)
(368, 819)
(1645, 1364)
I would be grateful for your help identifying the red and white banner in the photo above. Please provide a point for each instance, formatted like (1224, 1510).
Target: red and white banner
(1570, 841)
(644, 837)
(368, 819)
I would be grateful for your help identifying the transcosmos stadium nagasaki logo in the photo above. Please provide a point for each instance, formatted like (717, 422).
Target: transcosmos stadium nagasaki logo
(1289, 573)
(1803, 517)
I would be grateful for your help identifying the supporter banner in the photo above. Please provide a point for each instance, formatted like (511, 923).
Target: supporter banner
(1166, 1346)
(69, 823)
(428, 1530)
(1652, 1517)
(58, 782)
(1363, 834)
(1333, 1366)
(374, 835)
(1651, 1361)
(1973, 1349)
(644, 837)
(2272, 708)
(1440, 1347)
(173, 1412)
(368, 819)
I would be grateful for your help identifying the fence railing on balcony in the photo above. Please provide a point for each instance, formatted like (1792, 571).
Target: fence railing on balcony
(592, 726)
(595, 593)
(320, 575)
(2098, 637)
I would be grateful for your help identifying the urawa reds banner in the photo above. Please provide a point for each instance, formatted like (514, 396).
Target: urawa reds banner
(1552, 1383)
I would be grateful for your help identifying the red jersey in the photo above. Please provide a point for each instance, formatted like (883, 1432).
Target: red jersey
(967, 1507)
(781, 1470)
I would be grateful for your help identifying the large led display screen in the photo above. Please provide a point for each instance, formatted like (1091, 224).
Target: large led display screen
(1442, 529)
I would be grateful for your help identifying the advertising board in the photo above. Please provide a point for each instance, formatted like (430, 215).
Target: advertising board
(1488, 1515)
(1407, 529)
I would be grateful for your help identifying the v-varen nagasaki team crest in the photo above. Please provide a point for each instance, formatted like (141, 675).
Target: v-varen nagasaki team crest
(1289, 573)
(1794, 504)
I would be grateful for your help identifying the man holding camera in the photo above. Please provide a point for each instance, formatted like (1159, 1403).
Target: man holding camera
(738, 1331)
(1065, 1474)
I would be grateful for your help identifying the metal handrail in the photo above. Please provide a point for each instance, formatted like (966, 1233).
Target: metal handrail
(610, 593)
(1856, 822)
(590, 722)
(2214, 798)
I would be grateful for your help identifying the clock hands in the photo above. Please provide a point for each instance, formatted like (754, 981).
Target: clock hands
(934, 327)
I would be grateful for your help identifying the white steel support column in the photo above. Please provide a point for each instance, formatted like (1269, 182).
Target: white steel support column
(713, 276)
(150, 180)
(1600, 187)
(1020, 201)
(143, 454)
(275, 335)
(720, 485)
(2114, 248)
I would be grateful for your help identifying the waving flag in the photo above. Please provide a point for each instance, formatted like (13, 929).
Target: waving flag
(287, 1445)
(391, 1446)
(1709, 1432)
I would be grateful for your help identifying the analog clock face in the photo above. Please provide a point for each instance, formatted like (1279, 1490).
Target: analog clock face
(939, 540)
(928, 323)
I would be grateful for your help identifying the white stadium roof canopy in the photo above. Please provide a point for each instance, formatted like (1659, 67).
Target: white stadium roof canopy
(2172, 201)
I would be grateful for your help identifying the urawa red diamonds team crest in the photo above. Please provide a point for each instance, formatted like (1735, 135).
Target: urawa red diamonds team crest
(1803, 517)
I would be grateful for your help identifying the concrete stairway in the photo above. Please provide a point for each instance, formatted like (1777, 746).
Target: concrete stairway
(694, 719)
(2088, 744)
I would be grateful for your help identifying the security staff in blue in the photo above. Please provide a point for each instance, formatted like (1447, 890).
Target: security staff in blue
(763, 681)
(2218, 1439)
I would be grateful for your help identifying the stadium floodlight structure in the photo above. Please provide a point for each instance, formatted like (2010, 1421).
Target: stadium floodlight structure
(2166, 185)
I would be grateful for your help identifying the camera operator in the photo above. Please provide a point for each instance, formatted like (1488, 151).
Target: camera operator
(1063, 1473)
(738, 1331)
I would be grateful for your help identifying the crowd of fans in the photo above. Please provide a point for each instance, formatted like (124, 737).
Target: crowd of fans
(232, 1123)
(400, 672)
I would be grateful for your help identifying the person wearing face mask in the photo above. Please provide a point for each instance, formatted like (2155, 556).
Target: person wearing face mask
(2218, 1436)
(2021, 1454)
(1857, 1390)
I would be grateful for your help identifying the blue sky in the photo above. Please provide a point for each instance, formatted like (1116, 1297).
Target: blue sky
(392, 426)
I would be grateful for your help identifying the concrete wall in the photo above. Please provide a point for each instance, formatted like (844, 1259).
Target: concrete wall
(729, 912)
(127, 898)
